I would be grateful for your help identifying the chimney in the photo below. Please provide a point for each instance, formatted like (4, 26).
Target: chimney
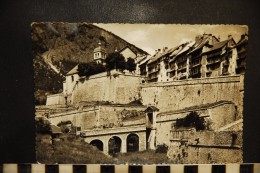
(205, 35)
(210, 38)
(165, 49)
(198, 38)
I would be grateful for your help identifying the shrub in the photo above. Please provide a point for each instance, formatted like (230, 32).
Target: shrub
(42, 126)
(161, 148)
(192, 120)
(91, 68)
(130, 64)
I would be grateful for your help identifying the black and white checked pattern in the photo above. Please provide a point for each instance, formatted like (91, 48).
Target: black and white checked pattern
(96, 168)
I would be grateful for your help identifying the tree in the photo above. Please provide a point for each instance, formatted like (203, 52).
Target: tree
(115, 61)
(91, 68)
(130, 64)
(42, 126)
(192, 120)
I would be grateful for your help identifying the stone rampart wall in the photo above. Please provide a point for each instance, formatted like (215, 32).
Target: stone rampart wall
(207, 147)
(115, 88)
(55, 99)
(175, 95)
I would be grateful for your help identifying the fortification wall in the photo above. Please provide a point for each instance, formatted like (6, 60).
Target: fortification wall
(55, 99)
(214, 155)
(114, 88)
(106, 116)
(222, 115)
(219, 115)
(86, 118)
(213, 147)
(116, 114)
(170, 96)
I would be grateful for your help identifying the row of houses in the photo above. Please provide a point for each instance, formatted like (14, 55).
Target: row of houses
(207, 56)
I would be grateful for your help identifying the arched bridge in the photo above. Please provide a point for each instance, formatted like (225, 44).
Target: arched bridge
(121, 139)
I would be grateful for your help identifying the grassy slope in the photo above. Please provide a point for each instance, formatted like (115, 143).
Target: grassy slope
(70, 151)
(75, 150)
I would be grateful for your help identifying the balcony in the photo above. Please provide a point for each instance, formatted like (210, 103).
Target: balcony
(182, 68)
(195, 65)
(214, 54)
(153, 70)
(213, 62)
(152, 78)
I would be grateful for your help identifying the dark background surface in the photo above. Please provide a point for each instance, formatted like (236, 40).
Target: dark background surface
(16, 92)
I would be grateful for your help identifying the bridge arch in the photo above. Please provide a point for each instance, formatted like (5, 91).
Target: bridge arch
(97, 143)
(114, 145)
(132, 142)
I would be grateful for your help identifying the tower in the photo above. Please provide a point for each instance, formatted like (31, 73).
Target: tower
(100, 54)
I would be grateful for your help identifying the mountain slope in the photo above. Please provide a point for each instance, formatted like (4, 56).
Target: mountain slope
(58, 47)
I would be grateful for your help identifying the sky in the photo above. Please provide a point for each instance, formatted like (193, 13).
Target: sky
(151, 37)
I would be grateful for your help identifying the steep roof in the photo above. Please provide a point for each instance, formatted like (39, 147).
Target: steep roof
(176, 50)
(217, 46)
(99, 49)
(186, 47)
(155, 57)
(158, 55)
(73, 71)
(121, 50)
(143, 60)
(242, 41)
(183, 50)
(199, 45)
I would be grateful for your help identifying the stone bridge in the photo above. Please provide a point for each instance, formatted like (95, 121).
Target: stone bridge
(121, 139)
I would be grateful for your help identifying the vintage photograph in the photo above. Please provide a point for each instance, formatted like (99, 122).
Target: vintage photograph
(138, 93)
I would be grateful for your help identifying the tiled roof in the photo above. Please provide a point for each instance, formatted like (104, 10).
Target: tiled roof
(217, 46)
(177, 50)
(158, 55)
(186, 47)
(99, 49)
(144, 60)
(199, 45)
(242, 41)
(73, 71)
(155, 57)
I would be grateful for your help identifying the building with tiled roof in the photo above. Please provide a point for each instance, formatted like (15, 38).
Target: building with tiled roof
(207, 56)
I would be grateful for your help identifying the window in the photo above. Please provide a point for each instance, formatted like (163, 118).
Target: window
(72, 78)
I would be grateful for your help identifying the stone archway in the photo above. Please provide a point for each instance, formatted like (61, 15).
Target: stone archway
(132, 142)
(98, 143)
(114, 145)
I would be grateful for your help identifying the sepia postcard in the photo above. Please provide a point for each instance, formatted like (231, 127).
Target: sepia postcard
(139, 93)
